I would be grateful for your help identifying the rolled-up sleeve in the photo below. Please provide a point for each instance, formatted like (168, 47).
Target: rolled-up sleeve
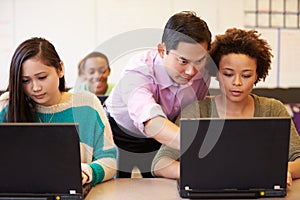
(165, 151)
(140, 99)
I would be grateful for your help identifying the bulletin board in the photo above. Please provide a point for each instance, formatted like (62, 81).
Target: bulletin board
(279, 23)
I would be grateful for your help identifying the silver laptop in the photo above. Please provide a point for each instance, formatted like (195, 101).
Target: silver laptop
(234, 158)
(40, 161)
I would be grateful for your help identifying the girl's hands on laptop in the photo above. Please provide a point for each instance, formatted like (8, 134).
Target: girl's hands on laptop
(289, 179)
(86, 173)
(289, 176)
(85, 178)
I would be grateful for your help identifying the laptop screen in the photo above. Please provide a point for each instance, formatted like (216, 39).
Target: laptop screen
(234, 154)
(40, 158)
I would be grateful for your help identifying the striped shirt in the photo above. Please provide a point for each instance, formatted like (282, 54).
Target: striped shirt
(97, 147)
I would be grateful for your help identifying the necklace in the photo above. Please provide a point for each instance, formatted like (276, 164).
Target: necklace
(49, 119)
(55, 108)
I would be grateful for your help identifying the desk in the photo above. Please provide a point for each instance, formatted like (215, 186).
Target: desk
(156, 188)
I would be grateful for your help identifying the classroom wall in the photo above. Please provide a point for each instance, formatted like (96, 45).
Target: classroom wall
(121, 28)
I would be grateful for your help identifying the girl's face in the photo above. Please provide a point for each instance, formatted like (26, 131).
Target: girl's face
(236, 75)
(41, 82)
(96, 71)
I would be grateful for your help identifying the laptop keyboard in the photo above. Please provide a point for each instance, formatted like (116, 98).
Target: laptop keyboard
(75, 197)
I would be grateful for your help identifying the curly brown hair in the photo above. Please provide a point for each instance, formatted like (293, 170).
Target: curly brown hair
(247, 42)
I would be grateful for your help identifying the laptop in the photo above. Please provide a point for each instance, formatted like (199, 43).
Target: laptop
(233, 158)
(40, 161)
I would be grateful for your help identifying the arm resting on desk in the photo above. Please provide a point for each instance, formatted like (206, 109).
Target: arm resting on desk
(294, 168)
(167, 167)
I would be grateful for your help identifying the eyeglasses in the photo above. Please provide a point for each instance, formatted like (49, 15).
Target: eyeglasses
(198, 64)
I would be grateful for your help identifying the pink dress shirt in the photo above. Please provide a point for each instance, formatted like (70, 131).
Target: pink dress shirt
(145, 91)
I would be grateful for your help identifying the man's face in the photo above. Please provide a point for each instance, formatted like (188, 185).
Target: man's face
(186, 61)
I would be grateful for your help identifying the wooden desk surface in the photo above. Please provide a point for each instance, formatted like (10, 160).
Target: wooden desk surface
(156, 188)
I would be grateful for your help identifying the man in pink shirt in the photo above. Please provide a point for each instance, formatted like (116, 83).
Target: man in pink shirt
(153, 89)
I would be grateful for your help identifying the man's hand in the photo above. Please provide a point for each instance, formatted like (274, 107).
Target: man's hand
(164, 131)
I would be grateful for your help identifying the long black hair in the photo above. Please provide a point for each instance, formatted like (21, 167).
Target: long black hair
(21, 107)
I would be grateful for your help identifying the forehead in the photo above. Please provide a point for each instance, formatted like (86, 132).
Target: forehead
(34, 66)
(237, 61)
(192, 51)
(95, 62)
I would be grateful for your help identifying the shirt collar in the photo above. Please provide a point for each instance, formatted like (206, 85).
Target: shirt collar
(161, 74)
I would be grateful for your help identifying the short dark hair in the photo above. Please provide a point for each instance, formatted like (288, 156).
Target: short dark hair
(247, 42)
(20, 106)
(185, 26)
(94, 54)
